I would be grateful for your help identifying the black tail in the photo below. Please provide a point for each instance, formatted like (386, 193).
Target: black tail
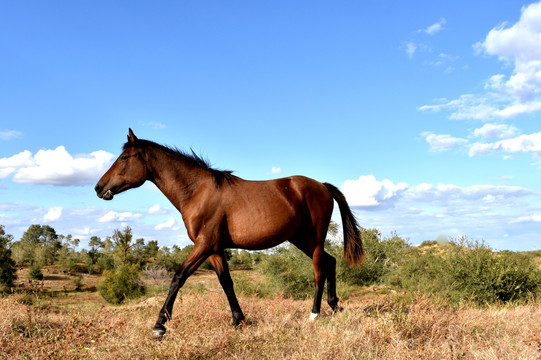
(353, 245)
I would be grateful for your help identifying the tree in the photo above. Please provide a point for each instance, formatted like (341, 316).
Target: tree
(122, 284)
(68, 257)
(122, 241)
(7, 265)
(151, 249)
(138, 250)
(39, 244)
(96, 245)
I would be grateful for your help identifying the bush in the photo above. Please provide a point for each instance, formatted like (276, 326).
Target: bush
(104, 262)
(69, 262)
(172, 260)
(244, 259)
(488, 277)
(382, 256)
(7, 269)
(468, 271)
(78, 282)
(291, 271)
(420, 270)
(246, 285)
(35, 272)
(122, 284)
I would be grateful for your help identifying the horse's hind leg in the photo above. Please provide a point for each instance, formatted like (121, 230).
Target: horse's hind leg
(320, 274)
(219, 263)
(317, 254)
(330, 265)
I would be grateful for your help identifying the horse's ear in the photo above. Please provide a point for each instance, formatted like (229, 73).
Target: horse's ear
(131, 137)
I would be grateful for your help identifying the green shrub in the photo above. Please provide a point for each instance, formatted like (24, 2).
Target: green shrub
(78, 282)
(122, 284)
(7, 269)
(171, 259)
(35, 272)
(382, 256)
(104, 262)
(68, 262)
(245, 285)
(420, 270)
(468, 271)
(487, 277)
(289, 270)
(244, 259)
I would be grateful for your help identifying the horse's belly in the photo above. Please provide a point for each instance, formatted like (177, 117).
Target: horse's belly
(262, 231)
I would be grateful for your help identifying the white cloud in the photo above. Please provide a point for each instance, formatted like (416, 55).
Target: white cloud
(157, 209)
(56, 167)
(166, 225)
(467, 106)
(518, 45)
(442, 142)
(411, 47)
(10, 134)
(276, 170)
(446, 192)
(435, 28)
(113, 216)
(529, 218)
(424, 211)
(153, 124)
(366, 191)
(17, 161)
(53, 214)
(496, 131)
(522, 144)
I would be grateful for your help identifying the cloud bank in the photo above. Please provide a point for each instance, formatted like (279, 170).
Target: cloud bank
(55, 167)
(368, 192)
(519, 46)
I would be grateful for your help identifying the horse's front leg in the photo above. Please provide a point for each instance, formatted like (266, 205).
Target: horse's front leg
(196, 257)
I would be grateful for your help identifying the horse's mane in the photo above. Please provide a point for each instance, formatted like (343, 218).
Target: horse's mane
(220, 176)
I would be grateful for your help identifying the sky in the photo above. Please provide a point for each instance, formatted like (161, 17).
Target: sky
(425, 114)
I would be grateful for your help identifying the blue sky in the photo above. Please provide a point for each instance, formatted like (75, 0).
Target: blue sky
(425, 114)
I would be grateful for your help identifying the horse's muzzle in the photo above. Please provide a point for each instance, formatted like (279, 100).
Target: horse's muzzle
(105, 195)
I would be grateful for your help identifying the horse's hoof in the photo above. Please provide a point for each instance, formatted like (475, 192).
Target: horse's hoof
(313, 316)
(236, 322)
(158, 333)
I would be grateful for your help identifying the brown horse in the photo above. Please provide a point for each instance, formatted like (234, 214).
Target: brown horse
(222, 211)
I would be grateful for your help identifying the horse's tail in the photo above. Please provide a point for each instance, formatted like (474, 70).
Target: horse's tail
(353, 244)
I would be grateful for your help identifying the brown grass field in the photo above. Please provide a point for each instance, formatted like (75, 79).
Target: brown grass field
(375, 324)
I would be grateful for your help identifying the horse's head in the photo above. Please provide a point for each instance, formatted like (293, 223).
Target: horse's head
(127, 172)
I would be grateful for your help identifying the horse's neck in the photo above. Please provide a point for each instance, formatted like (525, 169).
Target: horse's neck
(177, 179)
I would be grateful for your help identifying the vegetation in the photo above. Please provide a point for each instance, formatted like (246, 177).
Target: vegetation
(122, 284)
(457, 271)
(373, 325)
(443, 299)
(466, 270)
(7, 265)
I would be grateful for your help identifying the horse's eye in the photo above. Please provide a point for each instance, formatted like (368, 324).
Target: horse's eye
(124, 158)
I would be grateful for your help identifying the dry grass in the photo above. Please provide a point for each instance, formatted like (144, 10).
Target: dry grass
(372, 326)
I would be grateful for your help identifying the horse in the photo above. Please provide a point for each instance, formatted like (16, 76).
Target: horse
(221, 211)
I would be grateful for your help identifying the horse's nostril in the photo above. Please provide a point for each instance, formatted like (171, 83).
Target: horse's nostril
(97, 188)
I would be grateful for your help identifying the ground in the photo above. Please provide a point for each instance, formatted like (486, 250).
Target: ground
(55, 321)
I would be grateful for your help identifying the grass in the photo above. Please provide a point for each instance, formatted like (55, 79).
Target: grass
(376, 324)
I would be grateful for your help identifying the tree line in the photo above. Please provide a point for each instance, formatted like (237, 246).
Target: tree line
(456, 270)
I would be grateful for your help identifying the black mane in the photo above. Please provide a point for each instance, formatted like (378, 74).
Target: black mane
(220, 176)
